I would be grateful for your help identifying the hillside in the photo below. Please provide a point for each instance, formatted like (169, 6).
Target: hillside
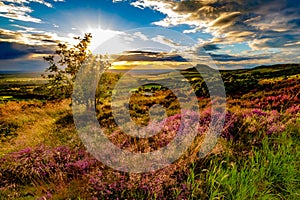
(255, 157)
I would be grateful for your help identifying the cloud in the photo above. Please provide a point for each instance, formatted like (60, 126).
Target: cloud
(140, 35)
(210, 47)
(23, 57)
(20, 10)
(163, 40)
(29, 1)
(9, 50)
(31, 36)
(26, 47)
(269, 39)
(225, 19)
(17, 12)
(149, 56)
(226, 57)
(231, 21)
(23, 65)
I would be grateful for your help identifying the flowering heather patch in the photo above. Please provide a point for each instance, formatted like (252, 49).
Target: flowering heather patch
(44, 163)
(257, 121)
(62, 165)
(170, 127)
(279, 102)
(153, 185)
(293, 110)
(256, 157)
(251, 122)
(271, 95)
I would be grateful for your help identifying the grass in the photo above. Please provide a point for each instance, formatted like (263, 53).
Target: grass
(266, 170)
(33, 123)
(258, 157)
(5, 97)
(270, 172)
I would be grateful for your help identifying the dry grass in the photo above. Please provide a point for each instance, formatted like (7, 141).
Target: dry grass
(35, 122)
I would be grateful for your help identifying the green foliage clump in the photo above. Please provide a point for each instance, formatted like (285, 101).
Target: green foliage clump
(64, 65)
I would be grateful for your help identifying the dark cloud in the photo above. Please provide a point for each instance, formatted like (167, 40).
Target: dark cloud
(149, 56)
(10, 50)
(29, 36)
(226, 57)
(287, 39)
(225, 19)
(22, 65)
(149, 53)
(7, 51)
(50, 41)
(210, 47)
(15, 56)
(6, 35)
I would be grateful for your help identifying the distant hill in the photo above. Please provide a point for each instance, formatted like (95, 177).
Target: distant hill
(269, 71)
(11, 72)
(241, 81)
(264, 71)
(19, 74)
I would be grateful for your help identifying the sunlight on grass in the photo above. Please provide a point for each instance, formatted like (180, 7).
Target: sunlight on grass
(256, 157)
(34, 122)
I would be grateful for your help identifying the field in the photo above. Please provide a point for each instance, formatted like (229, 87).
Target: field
(256, 157)
(20, 86)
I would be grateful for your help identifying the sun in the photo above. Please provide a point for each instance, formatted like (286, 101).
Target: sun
(99, 36)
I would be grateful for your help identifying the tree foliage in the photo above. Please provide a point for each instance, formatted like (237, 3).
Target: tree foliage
(64, 65)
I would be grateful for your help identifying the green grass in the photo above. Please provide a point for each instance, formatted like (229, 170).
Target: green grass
(269, 172)
(237, 169)
(5, 97)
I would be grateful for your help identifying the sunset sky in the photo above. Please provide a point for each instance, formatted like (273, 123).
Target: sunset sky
(236, 33)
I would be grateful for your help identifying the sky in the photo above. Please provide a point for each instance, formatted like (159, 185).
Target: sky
(234, 33)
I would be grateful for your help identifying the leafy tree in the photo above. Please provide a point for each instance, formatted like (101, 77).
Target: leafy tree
(64, 65)
(88, 79)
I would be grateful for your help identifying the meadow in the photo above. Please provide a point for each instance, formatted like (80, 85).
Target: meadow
(20, 85)
(256, 157)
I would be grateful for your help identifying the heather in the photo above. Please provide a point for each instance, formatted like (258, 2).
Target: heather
(256, 157)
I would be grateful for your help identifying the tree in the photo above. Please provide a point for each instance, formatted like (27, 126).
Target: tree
(64, 65)
(88, 79)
